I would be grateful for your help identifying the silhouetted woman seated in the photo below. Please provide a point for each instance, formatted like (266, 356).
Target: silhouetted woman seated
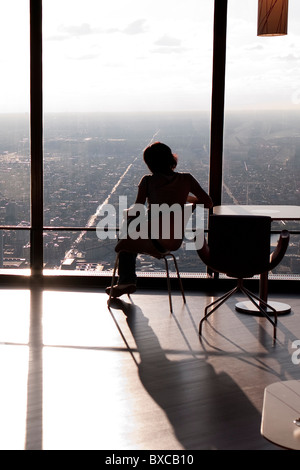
(163, 186)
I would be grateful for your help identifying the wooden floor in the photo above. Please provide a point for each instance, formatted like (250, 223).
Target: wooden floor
(76, 375)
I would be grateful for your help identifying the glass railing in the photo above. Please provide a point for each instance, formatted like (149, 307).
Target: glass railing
(80, 251)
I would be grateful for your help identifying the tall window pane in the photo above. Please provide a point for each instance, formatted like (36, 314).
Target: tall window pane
(262, 123)
(14, 133)
(117, 76)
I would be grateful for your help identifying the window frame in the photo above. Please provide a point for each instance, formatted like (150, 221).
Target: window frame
(37, 227)
(36, 123)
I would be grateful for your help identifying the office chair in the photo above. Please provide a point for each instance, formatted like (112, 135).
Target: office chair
(239, 246)
(155, 250)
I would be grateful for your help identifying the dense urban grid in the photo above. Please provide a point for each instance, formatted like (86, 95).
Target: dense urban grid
(93, 159)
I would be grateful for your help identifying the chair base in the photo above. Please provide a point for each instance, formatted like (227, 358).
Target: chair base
(248, 307)
(165, 257)
(263, 307)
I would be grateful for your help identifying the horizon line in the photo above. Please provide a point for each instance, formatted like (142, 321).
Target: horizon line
(200, 111)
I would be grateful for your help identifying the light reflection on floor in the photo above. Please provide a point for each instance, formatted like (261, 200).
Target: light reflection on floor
(14, 331)
(74, 375)
(81, 376)
(68, 380)
(13, 396)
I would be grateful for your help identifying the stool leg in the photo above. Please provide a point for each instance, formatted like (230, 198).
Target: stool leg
(169, 284)
(113, 276)
(179, 278)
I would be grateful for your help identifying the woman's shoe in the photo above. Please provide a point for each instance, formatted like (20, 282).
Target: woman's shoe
(121, 289)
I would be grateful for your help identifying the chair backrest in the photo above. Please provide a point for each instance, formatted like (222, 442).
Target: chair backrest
(239, 246)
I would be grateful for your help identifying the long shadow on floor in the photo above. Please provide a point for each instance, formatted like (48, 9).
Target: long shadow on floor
(207, 410)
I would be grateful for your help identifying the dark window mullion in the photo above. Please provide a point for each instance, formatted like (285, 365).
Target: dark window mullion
(36, 129)
(217, 105)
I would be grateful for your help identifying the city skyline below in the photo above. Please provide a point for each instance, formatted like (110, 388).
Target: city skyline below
(92, 159)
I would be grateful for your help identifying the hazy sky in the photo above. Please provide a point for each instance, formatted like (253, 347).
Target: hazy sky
(146, 55)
